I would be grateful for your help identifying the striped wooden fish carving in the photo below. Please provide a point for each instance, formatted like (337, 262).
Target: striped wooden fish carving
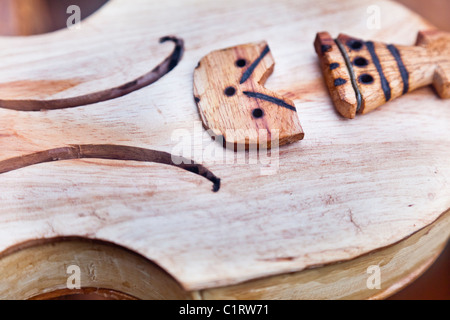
(234, 104)
(363, 75)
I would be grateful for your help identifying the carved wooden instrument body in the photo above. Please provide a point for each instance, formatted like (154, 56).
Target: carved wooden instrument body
(372, 191)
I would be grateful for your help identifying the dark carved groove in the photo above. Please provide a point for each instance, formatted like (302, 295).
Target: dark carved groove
(109, 152)
(157, 73)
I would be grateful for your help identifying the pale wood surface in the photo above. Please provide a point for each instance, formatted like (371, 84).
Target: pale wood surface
(399, 265)
(349, 188)
(39, 271)
(343, 95)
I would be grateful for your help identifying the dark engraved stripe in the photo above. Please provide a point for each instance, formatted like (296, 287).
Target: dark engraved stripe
(401, 66)
(352, 74)
(250, 69)
(276, 101)
(384, 83)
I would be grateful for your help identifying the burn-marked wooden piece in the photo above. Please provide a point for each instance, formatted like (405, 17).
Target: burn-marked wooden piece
(109, 152)
(376, 73)
(233, 103)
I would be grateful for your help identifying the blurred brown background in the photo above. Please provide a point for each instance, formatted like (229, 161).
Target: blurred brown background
(436, 11)
(27, 17)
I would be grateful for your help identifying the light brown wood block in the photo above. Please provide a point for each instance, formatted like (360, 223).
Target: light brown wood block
(337, 75)
(381, 72)
(233, 103)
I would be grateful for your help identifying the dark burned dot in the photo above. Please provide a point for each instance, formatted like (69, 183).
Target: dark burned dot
(257, 113)
(355, 44)
(339, 82)
(334, 65)
(360, 62)
(197, 99)
(325, 48)
(366, 79)
(241, 63)
(230, 91)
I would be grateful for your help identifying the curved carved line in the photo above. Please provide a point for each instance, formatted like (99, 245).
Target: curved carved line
(157, 73)
(109, 152)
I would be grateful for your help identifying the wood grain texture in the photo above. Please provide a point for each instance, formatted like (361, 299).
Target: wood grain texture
(347, 189)
(39, 271)
(437, 45)
(156, 73)
(108, 152)
(233, 103)
(399, 265)
(113, 272)
(375, 73)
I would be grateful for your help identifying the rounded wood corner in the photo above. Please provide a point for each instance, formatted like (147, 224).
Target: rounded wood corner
(40, 270)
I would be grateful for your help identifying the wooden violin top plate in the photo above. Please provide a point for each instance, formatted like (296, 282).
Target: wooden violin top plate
(348, 188)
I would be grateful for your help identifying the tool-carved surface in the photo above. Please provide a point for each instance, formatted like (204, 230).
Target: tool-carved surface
(348, 188)
(234, 104)
(375, 73)
(145, 80)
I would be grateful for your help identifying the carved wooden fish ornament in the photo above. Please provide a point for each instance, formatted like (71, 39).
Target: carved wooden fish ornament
(233, 102)
(363, 75)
